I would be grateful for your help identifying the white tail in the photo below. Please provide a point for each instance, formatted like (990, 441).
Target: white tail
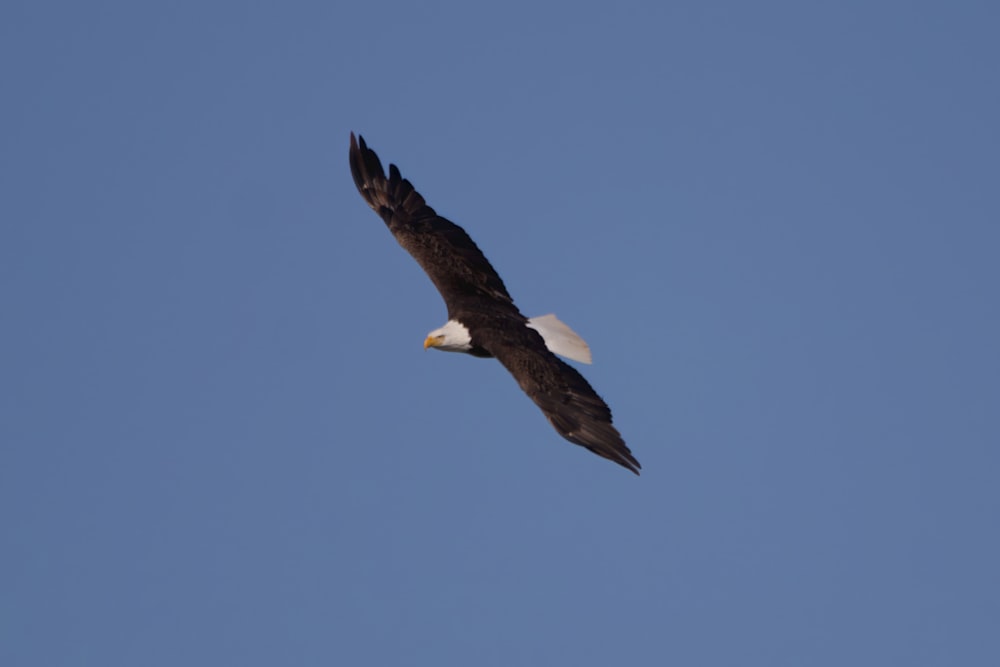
(560, 339)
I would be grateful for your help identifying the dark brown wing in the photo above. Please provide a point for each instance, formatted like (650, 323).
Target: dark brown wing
(568, 401)
(450, 258)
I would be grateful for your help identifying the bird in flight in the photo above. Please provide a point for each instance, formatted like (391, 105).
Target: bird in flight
(482, 318)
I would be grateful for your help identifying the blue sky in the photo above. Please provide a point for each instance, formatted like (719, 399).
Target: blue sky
(777, 225)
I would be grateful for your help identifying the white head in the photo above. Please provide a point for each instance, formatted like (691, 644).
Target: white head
(452, 337)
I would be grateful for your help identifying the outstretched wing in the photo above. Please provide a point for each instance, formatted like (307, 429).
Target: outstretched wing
(450, 258)
(568, 401)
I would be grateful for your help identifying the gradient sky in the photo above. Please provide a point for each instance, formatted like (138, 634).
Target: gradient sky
(777, 224)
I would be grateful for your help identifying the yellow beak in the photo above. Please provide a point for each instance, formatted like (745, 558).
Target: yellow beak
(433, 341)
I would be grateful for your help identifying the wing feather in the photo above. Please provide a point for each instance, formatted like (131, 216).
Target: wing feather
(564, 396)
(451, 259)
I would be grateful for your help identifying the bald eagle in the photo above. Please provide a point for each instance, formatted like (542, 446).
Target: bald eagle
(482, 318)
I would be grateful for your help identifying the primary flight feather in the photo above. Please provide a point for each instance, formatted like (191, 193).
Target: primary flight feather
(482, 318)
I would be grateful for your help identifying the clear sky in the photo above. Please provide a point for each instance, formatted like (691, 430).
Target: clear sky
(776, 223)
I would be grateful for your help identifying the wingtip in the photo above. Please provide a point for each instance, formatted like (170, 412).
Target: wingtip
(622, 458)
(627, 461)
(358, 140)
(354, 150)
